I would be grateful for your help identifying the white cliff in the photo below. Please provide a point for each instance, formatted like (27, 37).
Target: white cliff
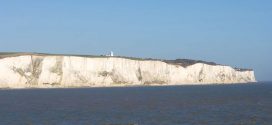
(49, 71)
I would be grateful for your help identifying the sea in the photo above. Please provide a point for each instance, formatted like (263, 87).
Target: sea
(234, 104)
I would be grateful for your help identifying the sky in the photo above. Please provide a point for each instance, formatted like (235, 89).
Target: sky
(232, 32)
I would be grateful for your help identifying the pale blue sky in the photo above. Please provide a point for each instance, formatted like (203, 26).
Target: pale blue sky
(233, 32)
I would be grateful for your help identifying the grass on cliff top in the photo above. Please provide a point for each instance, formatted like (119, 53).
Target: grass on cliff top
(181, 62)
(14, 54)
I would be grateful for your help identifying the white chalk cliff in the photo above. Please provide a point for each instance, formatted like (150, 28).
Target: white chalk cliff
(50, 71)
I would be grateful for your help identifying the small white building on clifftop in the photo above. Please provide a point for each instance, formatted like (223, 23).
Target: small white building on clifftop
(111, 54)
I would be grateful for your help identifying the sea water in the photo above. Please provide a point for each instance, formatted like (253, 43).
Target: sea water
(235, 104)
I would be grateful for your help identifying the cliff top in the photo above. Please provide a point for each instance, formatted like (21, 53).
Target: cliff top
(181, 62)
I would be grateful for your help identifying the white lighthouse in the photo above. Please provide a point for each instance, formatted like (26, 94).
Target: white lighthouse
(110, 54)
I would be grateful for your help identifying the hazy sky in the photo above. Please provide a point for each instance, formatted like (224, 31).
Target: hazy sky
(233, 32)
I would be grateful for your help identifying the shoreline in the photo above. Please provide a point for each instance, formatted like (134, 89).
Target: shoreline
(133, 86)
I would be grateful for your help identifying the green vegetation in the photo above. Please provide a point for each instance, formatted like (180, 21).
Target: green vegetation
(180, 62)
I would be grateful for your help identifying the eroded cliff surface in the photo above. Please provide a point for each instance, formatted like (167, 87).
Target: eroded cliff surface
(47, 71)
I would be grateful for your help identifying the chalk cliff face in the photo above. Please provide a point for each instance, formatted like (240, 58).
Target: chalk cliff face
(47, 71)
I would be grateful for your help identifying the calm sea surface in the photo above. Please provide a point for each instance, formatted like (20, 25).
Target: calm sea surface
(240, 104)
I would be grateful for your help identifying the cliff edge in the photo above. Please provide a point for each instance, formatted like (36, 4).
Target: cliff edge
(33, 70)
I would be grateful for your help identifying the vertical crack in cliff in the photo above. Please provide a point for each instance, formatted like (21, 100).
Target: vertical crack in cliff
(139, 74)
(32, 72)
(36, 69)
(201, 75)
(57, 69)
